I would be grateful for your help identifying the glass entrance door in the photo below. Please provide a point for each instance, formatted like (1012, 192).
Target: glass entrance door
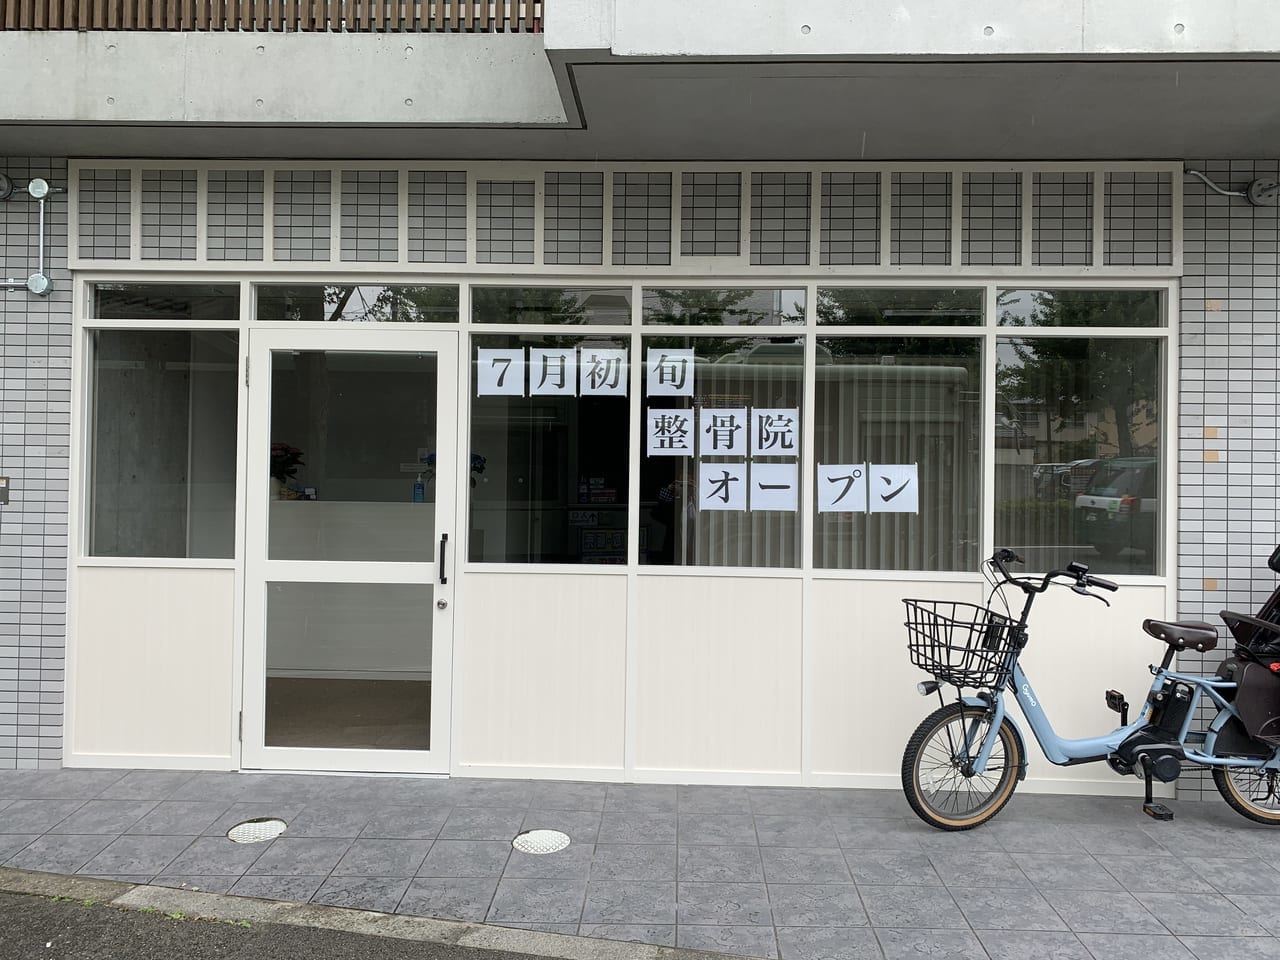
(351, 491)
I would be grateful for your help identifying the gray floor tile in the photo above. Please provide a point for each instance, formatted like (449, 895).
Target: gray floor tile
(483, 823)
(105, 816)
(300, 857)
(4, 803)
(11, 843)
(466, 858)
(634, 861)
(663, 934)
(1031, 836)
(720, 828)
(1038, 945)
(976, 869)
(137, 855)
(726, 864)
(382, 858)
(568, 796)
(240, 812)
(891, 867)
(722, 903)
(60, 854)
(564, 929)
(804, 865)
(120, 877)
(1235, 875)
(1196, 913)
(785, 802)
(581, 826)
(626, 826)
(1011, 908)
(1233, 948)
(865, 803)
(295, 888)
(944, 842)
(405, 822)
(640, 798)
(20, 783)
(712, 799)
(1152, 874)
(911, 906)
(362, 893)
(571, 863)
(1099, 911)
(36, 816)
(179, 818)
(795, 831)
(526, 901)
(449, 899)
(339, 821)
(216, 856)
(828, 943)
(1142, 946)
(504, 794)
(67, 784)
(746, 941)
(630, 902)
(1066, 871)
(935, 944)
(205, 884)
(146, 785)
(1117, 840)
(862, 833)
(1262, 910)
(816, 905)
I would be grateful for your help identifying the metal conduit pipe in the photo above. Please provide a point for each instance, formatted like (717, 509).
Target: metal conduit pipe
(1263, 192)
(38, 283)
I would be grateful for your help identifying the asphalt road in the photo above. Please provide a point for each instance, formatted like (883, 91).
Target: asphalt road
(38, 928)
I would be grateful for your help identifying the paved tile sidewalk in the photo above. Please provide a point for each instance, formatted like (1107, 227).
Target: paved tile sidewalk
(809, 874)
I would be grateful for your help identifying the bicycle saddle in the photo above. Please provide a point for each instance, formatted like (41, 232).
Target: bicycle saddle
(1184, 634)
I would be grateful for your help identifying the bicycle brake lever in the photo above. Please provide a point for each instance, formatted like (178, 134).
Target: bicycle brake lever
(1080, 589)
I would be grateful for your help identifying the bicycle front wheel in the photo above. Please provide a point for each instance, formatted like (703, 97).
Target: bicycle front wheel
(937, 774)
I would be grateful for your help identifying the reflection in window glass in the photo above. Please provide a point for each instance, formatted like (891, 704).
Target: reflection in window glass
(724, 307)
(720, 451)
(549, 426)
(577, 305)
(359, 303)
(163, 464)
(1078, 452)
(874, 306)
(898, 452)
(1080, 308)
(166, 301)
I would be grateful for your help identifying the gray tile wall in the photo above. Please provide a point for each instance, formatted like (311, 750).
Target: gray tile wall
(920, 231)
(504, 221)
(168, 214)
(105, 205)
(438, 216)
(301, 215)
(1062, 219)
(370, 216)
(850, 232)
(642, 218)
(1138, 222)
(35, 418)
(573, 218)
(779, 218)
(991, 221)
(710, 214)
(235, 215)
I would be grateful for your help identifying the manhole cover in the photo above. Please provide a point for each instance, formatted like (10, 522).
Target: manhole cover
(540, 841)
(258, 830)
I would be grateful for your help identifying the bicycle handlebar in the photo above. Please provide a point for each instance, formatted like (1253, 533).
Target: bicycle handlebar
(1076, 571)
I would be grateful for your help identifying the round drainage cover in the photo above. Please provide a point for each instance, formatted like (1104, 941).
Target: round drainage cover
(540, 841)
(257, 830)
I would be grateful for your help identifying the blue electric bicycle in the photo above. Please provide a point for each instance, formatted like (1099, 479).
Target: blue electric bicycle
(964, 760)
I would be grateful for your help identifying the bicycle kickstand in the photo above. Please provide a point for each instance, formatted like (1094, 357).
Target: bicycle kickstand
(1157, 811)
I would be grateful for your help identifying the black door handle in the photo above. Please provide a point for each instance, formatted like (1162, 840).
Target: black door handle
(444, 544)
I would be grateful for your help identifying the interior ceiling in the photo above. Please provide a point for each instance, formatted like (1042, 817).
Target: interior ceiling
(903, 110)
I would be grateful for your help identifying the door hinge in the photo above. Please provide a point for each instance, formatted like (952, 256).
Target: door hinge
(240, 735)
(246, 371)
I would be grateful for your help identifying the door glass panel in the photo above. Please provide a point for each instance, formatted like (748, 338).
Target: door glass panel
(353, 456)
(349, 665)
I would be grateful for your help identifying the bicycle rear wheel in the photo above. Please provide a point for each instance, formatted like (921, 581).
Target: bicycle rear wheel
(1250, 792)
(934, 766)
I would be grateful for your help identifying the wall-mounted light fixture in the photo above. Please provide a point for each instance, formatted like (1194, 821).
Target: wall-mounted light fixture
(39, 190)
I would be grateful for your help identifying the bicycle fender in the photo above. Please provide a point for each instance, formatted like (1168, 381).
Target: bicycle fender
(1017, 732)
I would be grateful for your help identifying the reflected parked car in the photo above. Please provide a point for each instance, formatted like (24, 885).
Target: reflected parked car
(1120, 507)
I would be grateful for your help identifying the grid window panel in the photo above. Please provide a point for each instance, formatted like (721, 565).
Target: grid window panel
(642, 218)
(1138, 224)
(779, 218)
(921, 219)
(370, 216)
(573, 218)
(1062, 220)
(504, 221)
(235, 215)
(710, 214)
(438, 216)
(850, 231)
(105, 203)
(168, 215)
(992, 219)
(301, 215)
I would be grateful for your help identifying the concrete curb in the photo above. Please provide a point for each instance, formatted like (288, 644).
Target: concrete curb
(217, 906)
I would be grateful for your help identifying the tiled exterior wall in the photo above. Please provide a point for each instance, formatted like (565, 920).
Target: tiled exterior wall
(1229, 394)
(921, 228)
(35, 418)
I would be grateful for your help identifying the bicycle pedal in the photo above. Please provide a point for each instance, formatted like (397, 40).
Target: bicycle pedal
(1157, 811)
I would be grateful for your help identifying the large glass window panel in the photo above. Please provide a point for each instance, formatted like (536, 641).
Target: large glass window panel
(353, 456)
(549, 426)
(1079, 460)
(569, 305)
(166, 301)
(898, 453)
(912, 306)
(1081, 308)
(720, 449)
(359, 303)
(163, 460)
(724, 307)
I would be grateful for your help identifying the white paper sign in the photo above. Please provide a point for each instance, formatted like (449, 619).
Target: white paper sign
(722, 486)
(670, 372)
(842, 487)
(775, 486)
(722, 431)
(553, 371)
(775, 432)
(603, 372)
(669, 432)
(500, 373)
(893, 488)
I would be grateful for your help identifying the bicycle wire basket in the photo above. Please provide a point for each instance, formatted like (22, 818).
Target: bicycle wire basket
(962, 644)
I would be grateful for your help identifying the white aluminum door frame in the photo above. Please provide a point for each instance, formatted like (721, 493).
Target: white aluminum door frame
(259, 570)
